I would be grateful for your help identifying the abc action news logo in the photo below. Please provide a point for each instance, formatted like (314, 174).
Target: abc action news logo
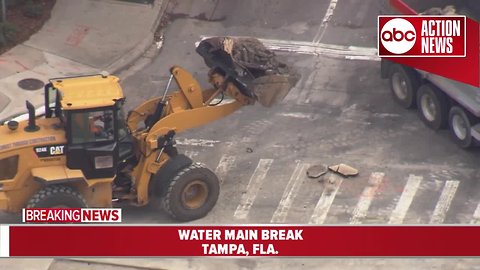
(422, 36)
(71, 215)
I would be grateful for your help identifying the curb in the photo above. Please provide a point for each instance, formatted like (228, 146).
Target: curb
(105, 263)
(134, 54)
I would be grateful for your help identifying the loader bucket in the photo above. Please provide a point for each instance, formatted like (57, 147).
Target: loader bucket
(270, 90)
(252, 68)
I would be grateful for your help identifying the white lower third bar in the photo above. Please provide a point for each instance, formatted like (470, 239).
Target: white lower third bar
(4, 241)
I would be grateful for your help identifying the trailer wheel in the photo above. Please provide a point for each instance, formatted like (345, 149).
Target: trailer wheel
(460, 123)
(57, 196)
(192, 193)
(403, 84)
(432, 106)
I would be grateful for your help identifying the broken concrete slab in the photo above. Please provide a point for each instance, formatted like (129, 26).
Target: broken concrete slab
(316, 171)
(344, 170)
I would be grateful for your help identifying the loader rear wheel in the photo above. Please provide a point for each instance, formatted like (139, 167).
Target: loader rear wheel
(192, 193)
(57, 197)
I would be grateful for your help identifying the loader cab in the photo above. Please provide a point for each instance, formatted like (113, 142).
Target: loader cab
(92, 141)
(90, 110)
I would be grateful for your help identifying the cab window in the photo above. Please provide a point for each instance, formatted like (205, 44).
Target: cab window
(92, 126)
(8, 167)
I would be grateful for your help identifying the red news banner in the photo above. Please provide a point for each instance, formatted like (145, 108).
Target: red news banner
(268, 240)
(444, 45)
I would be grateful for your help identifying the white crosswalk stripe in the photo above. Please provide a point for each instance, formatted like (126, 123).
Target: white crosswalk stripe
(252, 188)
(191, 154)
(299, 197)
(367, 197)
(326, 199)
(224, 165)
(328, 15)
(476, 215)
(289, 194)
(405, 200)
(444, 202)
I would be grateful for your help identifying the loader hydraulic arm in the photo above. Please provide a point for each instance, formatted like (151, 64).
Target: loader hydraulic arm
(186, 108)
(154, 123)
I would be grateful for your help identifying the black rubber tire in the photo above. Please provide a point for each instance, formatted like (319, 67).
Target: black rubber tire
(437, 119)
(172, 200)
(409, 78)
(57, 195)
(469, 121)
(160, 181)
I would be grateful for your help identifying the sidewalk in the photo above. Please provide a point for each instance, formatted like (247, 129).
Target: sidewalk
(241, 263)
(81, 37)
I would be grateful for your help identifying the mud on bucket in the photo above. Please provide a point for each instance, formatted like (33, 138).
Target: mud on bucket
(272, 89)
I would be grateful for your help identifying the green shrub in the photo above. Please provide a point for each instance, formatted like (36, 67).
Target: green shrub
(7, 34)
(32, 10)
(13, 3)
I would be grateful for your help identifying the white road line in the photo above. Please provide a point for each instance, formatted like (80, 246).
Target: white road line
(252, 188)
(298, 115)
(386, 115)
(289, 194)
(191, 154)
(409, 191)
(304, 47)
(476, 215)
(224, 165)
(323, 26)
(197, 142)
(366, 198)
(444, 202)
(332, 50)
(325, 202)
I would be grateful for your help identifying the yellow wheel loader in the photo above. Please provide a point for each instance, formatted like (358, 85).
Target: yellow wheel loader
(85, 152)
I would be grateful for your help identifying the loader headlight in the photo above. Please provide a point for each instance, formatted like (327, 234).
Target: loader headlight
(103, 162)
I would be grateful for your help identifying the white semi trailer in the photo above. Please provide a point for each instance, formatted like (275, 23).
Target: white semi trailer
(441, 102)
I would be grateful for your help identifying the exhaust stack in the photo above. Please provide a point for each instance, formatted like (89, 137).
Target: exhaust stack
(32, 126)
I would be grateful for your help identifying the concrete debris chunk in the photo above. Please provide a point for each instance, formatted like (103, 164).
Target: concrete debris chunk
(252, 65)
(316, 171)
(448, 10)
(344, 170)
(330, 185)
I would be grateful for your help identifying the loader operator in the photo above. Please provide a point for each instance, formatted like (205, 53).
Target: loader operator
(97, 126)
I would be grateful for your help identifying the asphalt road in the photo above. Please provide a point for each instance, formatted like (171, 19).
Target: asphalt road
(340, 112)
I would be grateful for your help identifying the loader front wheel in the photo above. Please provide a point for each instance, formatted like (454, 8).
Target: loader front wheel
(57, 196)
(192, 193)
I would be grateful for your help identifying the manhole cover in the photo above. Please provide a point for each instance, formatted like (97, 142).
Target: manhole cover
(30, 84)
